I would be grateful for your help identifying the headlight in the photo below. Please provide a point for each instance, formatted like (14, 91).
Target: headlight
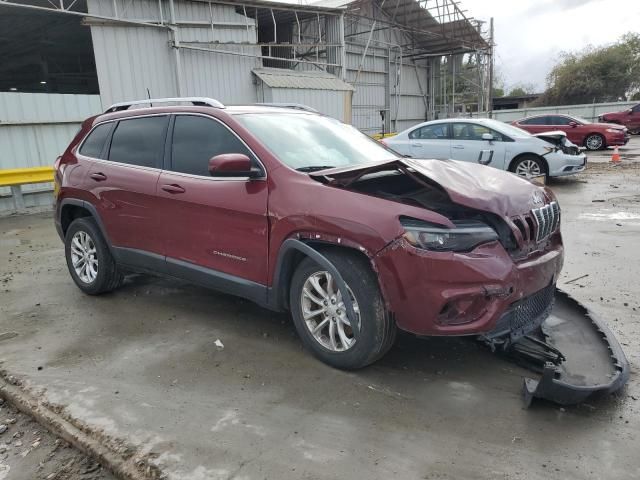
(467, 235)
(614, 130)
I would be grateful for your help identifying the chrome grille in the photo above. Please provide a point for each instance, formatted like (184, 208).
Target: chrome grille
(547, 219)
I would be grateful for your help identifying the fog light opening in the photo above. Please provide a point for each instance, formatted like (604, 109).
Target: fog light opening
(463, 310)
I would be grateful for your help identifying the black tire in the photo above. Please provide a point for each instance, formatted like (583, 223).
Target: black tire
(377, 329)
(523, 160)
(595, 141)
(108, 276)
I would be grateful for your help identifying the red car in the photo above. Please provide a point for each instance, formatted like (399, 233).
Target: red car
(297, 211)
(630, 118)
(593, 136)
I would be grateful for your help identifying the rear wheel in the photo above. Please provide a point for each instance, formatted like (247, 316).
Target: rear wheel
(320, 316)
(594, 141)
(528, 166)
(89, 260)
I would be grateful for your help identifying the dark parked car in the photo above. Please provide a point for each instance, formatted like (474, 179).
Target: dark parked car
(594, 136)
(297, 211)
(630, 118)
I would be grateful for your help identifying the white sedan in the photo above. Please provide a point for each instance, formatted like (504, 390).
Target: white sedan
(493, 143)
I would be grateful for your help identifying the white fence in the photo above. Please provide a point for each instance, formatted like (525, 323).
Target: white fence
(34, 129)
(589, 111)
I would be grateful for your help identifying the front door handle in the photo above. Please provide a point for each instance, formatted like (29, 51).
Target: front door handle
(458, 147)
(98, 176)
(173, 188)
(417, 145)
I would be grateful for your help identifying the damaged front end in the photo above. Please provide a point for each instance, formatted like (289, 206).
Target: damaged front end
(488, 270)
(560, 141)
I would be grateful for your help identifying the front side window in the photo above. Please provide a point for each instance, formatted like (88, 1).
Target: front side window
(93, 145)
(559, 120)
(139, 141)
(473, 131)
(197, 139)
(313, 142)
(439, 131)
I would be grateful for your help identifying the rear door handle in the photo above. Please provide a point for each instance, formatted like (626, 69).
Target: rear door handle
(173, 188)
(458, 147)
(98, 176)
(417, 145)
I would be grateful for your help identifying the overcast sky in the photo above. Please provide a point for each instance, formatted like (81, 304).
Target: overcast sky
(530, 33)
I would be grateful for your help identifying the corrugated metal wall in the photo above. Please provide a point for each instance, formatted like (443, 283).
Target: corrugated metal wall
(130, 59)
(327, 101)
(34, 129)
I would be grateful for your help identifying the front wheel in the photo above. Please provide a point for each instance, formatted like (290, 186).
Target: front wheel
(528, 166)
(320, 317)
(594, 141)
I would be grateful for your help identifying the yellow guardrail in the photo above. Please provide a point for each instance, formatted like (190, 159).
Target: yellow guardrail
(23, 176)
(379, 136)
(16, 177)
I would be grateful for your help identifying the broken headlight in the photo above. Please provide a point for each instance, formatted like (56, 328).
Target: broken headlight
(467, 235)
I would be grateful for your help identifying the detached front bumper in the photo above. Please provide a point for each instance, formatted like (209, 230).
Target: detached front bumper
(561, 164)
(448, 293)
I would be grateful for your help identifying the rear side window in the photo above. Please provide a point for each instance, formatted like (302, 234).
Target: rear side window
(438, 131)
(559, 120)
(197, 139)
(139, 141)
(473, 131)
(535, 121)
(93, 145)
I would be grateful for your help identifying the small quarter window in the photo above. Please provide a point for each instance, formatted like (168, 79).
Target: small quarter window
(93, 145)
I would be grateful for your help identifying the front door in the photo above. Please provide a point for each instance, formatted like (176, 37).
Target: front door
(576, 131)
(211, 225)
(468, 145)
(123, 183)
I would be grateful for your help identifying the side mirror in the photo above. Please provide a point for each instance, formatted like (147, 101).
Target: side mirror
(232, 165)
(487, 136)
(573, 124)
(630, 111)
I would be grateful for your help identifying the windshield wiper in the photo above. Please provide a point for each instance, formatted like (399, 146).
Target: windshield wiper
(315, 168)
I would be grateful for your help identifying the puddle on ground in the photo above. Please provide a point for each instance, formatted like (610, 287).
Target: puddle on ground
(606, 215)
(13, 242)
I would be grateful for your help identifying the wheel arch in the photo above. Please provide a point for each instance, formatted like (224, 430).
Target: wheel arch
(518, 157)
(292, 252)
(72, 208)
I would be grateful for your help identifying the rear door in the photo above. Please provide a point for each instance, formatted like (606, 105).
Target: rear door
(535, 125)
(468, 145)
(124, 184)
(429, 141)
(216, 223)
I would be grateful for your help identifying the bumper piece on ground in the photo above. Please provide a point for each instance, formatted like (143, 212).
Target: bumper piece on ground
(578, 354)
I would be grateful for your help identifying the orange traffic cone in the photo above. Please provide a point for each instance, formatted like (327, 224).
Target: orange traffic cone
(615, 158)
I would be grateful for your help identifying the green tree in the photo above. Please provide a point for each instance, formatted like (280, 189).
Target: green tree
(601, 74)
(522, 89)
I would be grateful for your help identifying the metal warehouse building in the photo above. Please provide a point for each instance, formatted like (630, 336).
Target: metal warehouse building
(382, 65)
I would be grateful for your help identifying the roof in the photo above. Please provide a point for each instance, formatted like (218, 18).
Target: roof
(284, 78)
(434, 27)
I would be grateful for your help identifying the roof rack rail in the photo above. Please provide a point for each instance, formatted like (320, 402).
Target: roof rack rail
(296, 106)
(198, 101)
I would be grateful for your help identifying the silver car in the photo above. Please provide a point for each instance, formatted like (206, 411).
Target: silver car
(493, 143)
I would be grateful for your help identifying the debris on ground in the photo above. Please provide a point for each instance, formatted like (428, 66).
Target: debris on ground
(32, 452)
(219, 345)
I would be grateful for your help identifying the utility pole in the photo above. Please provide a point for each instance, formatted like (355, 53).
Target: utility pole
(491, 47)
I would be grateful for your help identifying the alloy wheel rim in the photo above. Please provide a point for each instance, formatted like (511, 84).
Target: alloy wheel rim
(594, 142)
(84, 257)
(324, 312)
(528, 168)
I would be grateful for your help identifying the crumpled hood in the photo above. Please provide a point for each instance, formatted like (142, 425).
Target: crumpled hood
(468, 184)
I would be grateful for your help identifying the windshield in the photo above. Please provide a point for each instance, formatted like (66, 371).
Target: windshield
(312, 142)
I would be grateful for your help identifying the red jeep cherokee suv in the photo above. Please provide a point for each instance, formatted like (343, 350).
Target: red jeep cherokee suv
(630, 118)
(297, 211)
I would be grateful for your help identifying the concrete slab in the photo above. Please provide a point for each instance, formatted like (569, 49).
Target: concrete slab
(141, 366)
